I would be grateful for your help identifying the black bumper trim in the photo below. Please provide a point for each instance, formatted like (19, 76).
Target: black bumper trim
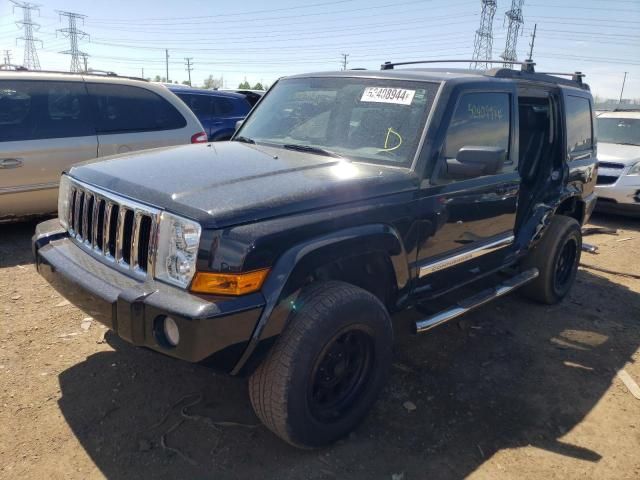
(208, 325)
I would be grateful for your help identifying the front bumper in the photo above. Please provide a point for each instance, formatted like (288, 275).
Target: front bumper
(623, 196)
(212, 329)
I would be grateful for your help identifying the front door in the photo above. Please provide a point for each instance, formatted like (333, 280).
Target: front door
(45, 127)
(468, 205)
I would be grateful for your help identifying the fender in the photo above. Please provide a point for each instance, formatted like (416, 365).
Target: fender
(378, 238)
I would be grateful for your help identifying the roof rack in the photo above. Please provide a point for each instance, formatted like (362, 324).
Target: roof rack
(91, 71)
(526, 66)
(575, 76)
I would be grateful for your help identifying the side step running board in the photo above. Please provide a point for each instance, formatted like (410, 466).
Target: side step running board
(468, 304)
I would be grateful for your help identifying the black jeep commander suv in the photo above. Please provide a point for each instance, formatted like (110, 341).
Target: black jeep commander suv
(342, 198)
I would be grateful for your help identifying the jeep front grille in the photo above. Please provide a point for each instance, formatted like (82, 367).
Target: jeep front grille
(115, 229)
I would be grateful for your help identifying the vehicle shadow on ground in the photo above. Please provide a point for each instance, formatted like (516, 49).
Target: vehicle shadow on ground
(15, 243)
(614, 221)
(511, 374)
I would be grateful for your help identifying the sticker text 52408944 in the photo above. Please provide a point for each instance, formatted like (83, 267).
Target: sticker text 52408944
(398, 96)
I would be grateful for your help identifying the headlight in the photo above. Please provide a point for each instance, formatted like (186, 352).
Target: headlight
(64, 201)
(177, 250)
(635, 170)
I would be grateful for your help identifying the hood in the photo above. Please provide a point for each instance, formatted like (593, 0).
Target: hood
(618, 153)
(225, 183)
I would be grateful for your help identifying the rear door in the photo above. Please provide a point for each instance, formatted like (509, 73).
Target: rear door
(468, 212)
(130, 118)
(228, 110)
(45, 126)
(202, 106)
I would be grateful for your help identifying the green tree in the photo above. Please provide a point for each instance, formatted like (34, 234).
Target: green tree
(245, 85)
(258, 86)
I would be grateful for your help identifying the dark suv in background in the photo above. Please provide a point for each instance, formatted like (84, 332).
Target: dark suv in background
(217, 111)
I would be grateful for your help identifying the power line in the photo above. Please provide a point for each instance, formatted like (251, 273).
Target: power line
(483, 43)
(31, 60)
(73, 34)
(514, 15)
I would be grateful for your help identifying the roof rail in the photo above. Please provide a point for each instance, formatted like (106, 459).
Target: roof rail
(526, 66)
(575, 76)
(20, 68)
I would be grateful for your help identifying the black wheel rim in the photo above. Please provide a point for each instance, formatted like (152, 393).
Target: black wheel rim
(340, 375)
(566, 264)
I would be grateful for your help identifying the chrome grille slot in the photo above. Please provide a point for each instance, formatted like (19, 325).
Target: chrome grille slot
(116, 230)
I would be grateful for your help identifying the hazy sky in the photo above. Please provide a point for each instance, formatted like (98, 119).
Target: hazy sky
(265, 40)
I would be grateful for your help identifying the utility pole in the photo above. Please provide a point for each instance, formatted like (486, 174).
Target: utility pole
(142, 72)
(7, 57)
(84, 60)
(622, 89)
(344, 60)
(189, 67)
(74, 35)
(533, 41)
(513, 31)
(28, 26)
(166, 61)
(483, 44)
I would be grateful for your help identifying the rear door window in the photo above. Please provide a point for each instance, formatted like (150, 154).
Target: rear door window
(579, 124)
(199, 104)
(33, 110)
(223, 107)
(124, 109)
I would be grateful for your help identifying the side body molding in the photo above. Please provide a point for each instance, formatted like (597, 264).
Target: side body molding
(369, 238)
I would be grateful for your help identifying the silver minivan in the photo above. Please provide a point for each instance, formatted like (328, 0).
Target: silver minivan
(49, 121)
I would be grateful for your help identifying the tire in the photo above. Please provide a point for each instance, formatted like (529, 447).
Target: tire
(338, 342)
(556, 256)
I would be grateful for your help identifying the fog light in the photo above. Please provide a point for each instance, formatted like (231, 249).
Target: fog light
(167, 331)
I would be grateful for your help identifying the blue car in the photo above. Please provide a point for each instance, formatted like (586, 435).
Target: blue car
(217, 111)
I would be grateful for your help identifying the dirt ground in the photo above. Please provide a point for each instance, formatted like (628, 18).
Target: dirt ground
(514, 390)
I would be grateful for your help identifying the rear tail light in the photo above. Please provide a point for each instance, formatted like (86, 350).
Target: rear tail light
(199, 137)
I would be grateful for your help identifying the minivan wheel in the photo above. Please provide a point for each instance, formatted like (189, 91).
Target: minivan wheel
(557, 257)
(327, 368)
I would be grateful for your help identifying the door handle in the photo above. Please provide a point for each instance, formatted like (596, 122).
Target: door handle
(10, 163)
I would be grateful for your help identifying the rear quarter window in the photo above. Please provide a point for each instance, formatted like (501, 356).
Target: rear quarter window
(579, 119)
(34, 110)
(199, 104)
(226, 107)
(124, 108)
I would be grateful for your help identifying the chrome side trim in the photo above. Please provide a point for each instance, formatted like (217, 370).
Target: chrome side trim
(29, 188)
(462, 257)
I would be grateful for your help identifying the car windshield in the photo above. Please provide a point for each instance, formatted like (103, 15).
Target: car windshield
(619, 130)
(371, 120)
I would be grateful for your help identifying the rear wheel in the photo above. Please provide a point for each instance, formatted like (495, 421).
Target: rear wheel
(327, 368)
(557, 257)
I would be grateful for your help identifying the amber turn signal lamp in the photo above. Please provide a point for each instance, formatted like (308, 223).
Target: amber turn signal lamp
(228, 283)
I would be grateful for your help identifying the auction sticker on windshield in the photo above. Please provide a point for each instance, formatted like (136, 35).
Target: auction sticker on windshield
(398, 96)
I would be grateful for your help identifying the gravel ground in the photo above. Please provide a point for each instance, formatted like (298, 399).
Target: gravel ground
(514, 390)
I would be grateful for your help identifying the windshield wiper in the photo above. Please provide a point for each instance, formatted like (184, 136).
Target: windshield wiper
(244, 139)
(311, 149)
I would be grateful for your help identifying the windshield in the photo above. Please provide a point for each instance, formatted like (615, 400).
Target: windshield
(371, 120)
(619, 130)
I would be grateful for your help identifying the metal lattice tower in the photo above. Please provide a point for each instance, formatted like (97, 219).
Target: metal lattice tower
(515, 22)
(78, 58)
(483, 44)
(28, 26)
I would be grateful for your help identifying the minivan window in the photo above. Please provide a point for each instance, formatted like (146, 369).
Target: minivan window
(579, 124)
(123, 109)
(33, 110)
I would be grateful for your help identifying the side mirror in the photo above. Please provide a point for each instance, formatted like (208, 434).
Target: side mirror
(476, 161)
(239, 124)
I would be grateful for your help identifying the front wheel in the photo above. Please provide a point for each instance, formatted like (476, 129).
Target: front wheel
(327, 368)
(557, 257)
